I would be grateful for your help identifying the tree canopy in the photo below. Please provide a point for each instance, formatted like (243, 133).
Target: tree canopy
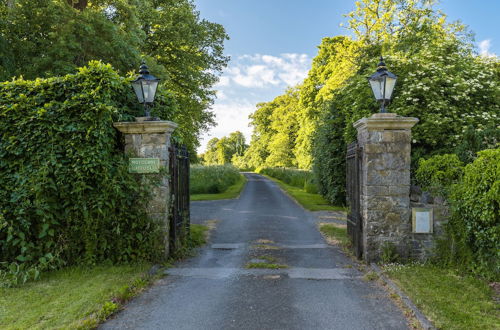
(442, 81)
(43, 38)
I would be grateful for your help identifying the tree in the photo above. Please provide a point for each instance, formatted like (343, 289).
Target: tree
(41, 38)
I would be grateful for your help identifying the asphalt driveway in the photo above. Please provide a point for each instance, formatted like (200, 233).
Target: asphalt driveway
(320, 288)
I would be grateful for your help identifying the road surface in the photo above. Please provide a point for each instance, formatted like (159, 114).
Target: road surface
(320, 289)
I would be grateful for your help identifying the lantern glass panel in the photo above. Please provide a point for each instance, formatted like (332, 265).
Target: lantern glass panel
(389, 87)
(138, 90)
(149, 87)
(377, 88)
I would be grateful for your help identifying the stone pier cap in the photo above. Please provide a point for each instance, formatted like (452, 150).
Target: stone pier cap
(382, 121)
(146, 127)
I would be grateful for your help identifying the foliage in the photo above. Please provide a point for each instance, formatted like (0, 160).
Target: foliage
(212, 179)
(438, 173)
(225, 150)
(449, 299)
(475, 223)
(297, 178)
(389, 253)
(475, 140)
(442, 81)
(44, 38)
(66, 196)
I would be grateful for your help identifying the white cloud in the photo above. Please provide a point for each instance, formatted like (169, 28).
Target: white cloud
(230, 117)
(262, 71)
(248, 80)
(484, 48)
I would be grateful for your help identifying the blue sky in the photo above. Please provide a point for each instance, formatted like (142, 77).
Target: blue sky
(272, 43)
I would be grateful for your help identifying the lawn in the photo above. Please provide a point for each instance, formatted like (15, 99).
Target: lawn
(449, 300)
(79, 297)
(231, 192)
(309, 201)
(62, 299)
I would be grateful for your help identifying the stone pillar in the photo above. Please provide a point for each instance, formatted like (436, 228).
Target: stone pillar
(385, 139)
(151, 139)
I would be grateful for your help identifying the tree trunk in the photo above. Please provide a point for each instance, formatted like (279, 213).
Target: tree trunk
(78, 4)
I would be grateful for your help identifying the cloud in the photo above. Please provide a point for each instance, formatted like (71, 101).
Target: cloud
(484, 48)
(248, 80)
(231, 116)
(262, 71)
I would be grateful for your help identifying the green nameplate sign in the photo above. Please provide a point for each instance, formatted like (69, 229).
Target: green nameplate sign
(144, 165)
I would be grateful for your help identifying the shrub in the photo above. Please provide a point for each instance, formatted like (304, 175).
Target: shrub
(66, 195)
(475, 222)
(298, 178)
(438, 173)
(212, 179)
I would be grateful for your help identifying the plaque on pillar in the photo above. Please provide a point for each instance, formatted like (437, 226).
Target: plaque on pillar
(144, 165)
(422, 220)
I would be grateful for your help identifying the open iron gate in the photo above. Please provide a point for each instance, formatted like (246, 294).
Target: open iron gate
(179, 196)
(354, 221)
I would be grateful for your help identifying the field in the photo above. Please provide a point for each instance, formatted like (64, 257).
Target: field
(212, 179)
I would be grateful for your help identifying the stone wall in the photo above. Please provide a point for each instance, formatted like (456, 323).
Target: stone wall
(421, 245)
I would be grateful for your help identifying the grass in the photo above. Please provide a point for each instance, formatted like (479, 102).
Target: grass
(213, 179)
(264, 265)
(309, 201)
(449, 300)
(335, 234)
(79, 297)
(71, 298)
(231, 192)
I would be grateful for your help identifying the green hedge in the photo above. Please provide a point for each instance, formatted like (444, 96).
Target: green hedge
(66, 196)
(475, 221)
(298, 178)
(438, 173)
(212, 179)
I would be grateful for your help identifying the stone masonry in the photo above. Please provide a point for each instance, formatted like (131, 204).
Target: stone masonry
(385, 140)
(151, 139)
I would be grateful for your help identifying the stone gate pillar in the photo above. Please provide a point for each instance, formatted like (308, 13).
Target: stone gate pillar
(385, 139)
(150, 141)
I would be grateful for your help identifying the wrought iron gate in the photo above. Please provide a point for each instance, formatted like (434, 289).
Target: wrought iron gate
(354, 221)
(179, 196)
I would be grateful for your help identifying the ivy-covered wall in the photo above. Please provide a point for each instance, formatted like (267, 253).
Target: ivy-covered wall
(66, 196)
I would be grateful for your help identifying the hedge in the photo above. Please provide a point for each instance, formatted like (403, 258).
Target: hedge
(66, 196)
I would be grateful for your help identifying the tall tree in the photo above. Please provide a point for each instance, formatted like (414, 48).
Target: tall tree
(40, 38)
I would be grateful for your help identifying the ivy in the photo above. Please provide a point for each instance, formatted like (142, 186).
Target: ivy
(66, 196)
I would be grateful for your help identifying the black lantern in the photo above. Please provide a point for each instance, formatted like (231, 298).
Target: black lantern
(382, 83)
(145, 87)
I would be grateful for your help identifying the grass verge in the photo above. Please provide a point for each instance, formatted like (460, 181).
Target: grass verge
(72, 298)
(449, 300)
(311, 202)
(231, 192)
(79, 297)
(335, 234)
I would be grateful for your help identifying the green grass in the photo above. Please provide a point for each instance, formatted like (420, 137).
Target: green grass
(335, 234)
(449, 300)
(79, 297)
(213, 179)
(231, 192)
(311, 202)
(64, 298)
(265, 265)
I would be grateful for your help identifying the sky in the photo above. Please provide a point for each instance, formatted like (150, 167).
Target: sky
(272, 44)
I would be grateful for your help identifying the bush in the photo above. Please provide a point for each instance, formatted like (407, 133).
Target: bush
(438, 173)
(66, 195)
(298, 178)
(212, 179)
(475, 222)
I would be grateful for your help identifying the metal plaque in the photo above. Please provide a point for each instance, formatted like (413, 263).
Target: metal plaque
(422, 220)
(144, 165)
